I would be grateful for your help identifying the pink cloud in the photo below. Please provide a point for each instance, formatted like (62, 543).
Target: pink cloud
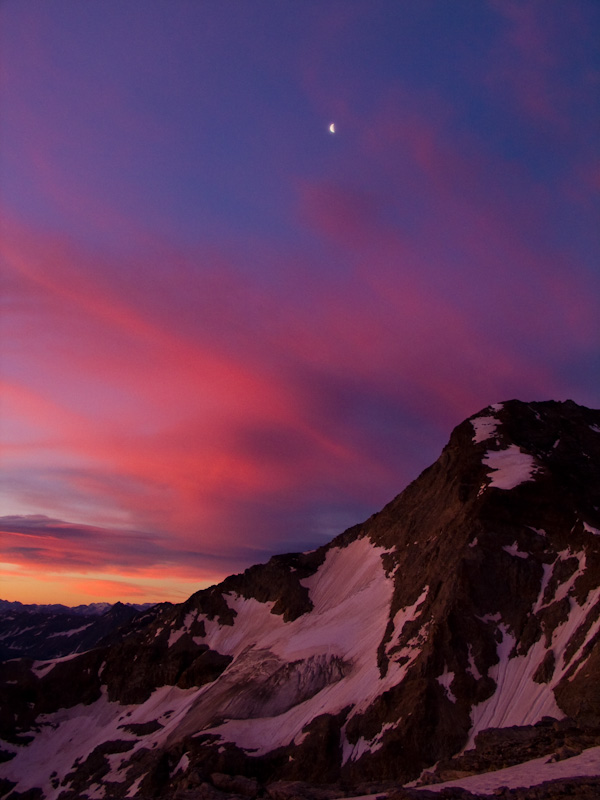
(529, 59)
(206, 391)
(171, 411)
(101, 589)
(62, 545)
(191, 398)
(527, 63)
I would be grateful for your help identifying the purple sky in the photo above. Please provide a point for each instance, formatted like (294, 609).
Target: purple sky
(226, 331)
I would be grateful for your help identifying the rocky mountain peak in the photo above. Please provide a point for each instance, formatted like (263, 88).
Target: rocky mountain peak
(470, 603)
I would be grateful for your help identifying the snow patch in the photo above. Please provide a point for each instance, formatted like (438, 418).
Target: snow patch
(590, 529)
(445, 680)
(564, 589)
(407, 654)
(513, 550)
(117, 773)
(485, 428)
(175, 636)
(510, 467)
(404, 615)
(69, 633)
(189, 619)
(95, 792)
(18, 632)
(539, 531)
(182, 764)
(352, 752)
(133, 789)
(546, 575)
(42, 668)
(300, 737)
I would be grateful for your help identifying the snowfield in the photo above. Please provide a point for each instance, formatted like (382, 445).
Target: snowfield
(518, 699)
(521, 776)
(351, 595)
(510, 467)
(485, 428)
(529, 773)
(335, 648)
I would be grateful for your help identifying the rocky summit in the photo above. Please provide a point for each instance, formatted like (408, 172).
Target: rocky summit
(454, 632)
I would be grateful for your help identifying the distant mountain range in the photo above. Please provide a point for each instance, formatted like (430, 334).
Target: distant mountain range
(50, 631)
(454, 633)
(90, 610)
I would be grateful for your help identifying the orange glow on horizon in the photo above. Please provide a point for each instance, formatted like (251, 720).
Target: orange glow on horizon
(72, 588)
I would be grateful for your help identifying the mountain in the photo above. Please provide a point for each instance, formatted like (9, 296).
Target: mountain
(454, 632)
(50, 631)
(8, 606)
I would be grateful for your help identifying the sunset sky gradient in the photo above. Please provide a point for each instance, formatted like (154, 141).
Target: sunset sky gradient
(227, 332)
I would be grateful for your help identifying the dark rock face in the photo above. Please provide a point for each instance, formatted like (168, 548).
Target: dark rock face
(133, 670)
(465, 614)
(278, 581)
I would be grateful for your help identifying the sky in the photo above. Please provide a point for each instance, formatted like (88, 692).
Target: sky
(227, 332)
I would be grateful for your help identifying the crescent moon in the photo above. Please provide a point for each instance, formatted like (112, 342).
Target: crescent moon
(332, 128)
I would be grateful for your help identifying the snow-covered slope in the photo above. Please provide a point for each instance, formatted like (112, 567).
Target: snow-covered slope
(471, 601)
(529, 773)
